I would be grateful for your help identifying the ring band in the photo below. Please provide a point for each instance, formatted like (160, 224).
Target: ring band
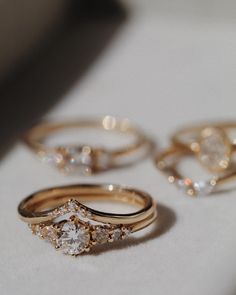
(57, 215)
(85, 158)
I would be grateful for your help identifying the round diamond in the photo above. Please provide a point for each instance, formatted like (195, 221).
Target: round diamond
(116, 235)
(74, 238)
(126, 232)
(72, 206)
(100, 235)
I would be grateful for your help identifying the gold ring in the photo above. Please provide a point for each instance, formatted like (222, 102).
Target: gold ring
(211, 143)
(167, 161)
(84, 157)
(60, 216)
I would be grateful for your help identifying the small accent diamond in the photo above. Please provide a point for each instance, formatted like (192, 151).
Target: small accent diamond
(116, 234)
(100, 235)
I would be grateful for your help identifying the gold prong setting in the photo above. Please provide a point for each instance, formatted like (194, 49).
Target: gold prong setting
(72, 159)
(74, 236)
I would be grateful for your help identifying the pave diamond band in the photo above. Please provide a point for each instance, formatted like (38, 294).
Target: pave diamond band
(59, 216)
(85, 158)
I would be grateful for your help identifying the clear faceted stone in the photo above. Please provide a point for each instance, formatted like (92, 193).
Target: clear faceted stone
(203, 187)
(184, 184)
(126, 232)
(72, 206)
(53, 158)
(74, 238)
(214, 149)
(37, 230)
(100, 235)
(180, 184)
(116, 235)
(49, 233)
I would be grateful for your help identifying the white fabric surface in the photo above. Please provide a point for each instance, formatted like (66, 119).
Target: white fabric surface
(171, 64)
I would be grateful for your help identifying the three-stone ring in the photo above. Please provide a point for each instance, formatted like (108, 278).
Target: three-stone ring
(212, 145)
(88, 158)
(59, 215)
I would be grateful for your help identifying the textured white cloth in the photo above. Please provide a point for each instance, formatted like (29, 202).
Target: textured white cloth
(171, 64)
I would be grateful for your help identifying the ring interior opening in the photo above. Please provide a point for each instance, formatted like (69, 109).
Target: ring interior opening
(124, 137)
(53, 198)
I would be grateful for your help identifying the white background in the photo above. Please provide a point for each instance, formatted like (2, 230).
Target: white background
(172, 63)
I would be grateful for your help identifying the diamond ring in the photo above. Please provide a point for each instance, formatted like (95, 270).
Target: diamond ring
(59, 215)
(211, 143)
(82, 157)
(211, 146)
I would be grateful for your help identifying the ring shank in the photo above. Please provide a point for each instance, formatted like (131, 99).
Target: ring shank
(38, 207)
(177, 137)
(36, 135)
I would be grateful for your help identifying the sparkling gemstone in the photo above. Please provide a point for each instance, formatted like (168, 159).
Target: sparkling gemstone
(116, 235)
(215, 149)
(72, 206)
(100, 235)
(203, 187)
(36, 229)
(49, 233)
(78, 159)
(126, 232)
(51, 157)
(74, 238)
(184, 184)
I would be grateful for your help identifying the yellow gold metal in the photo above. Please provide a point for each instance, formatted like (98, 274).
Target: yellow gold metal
(35, 138)
(167, 161)
(47, 212)
(193, 137)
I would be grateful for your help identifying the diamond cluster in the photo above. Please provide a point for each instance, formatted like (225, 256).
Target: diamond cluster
(195, 187)
(78, 159)
(75, 236)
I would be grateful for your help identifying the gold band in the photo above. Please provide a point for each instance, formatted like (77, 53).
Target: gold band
(189, 136)
(185, 137)
(49, 212)
(91, 159)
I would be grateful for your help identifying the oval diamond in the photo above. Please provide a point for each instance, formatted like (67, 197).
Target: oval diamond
(215, 149)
